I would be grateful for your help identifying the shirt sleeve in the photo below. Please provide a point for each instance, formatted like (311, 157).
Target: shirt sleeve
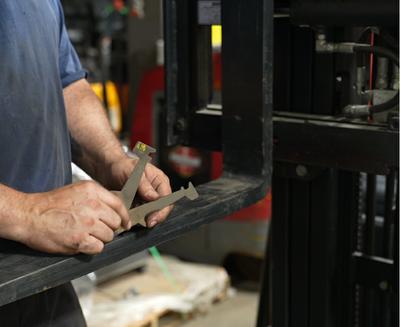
(70, 66)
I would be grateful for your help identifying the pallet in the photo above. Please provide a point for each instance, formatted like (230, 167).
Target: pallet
(165, 318)
(168, 318)
(151, 282)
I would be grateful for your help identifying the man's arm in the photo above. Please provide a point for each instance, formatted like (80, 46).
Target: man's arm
(101, 154)
(90, 130)
(11, 217)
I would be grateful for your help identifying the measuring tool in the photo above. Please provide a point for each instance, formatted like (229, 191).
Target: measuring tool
(129, 190)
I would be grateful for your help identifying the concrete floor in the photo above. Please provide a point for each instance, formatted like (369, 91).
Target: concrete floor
(237, 311)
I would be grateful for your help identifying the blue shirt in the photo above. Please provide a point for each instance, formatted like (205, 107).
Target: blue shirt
(37, 61)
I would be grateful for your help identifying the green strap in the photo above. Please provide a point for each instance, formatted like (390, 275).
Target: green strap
(164, 268)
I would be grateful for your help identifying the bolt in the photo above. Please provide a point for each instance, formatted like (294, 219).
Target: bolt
(180, 125)
(383, 285)
(301, 171)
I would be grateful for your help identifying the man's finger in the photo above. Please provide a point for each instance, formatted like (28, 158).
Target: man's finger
(158, 216)
(114, 202)
(93, 209)
(109, 217)
(146, 190)
(161, 185)
(91, 245)
(102, 232)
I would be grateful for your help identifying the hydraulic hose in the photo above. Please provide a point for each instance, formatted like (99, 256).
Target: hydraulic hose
(393, 102)
(358, 111)
(381, 51)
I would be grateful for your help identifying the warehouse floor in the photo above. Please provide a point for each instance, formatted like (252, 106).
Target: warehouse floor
(237, 311)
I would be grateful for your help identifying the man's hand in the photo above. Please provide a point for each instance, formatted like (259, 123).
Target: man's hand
(81, 217)
(100, 153)
(154, 183)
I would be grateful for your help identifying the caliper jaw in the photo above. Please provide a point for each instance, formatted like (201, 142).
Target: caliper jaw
(139, 214)
(128, 192)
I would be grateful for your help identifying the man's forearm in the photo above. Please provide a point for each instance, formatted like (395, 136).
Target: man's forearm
(11, 216)
(90, 129)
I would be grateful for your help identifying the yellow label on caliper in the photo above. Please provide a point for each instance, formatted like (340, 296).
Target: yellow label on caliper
(141, 147)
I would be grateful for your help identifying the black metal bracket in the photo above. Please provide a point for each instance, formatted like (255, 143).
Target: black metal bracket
(374, 272)
(328, 141)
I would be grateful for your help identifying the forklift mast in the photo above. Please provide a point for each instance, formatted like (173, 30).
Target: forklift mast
(332, 255)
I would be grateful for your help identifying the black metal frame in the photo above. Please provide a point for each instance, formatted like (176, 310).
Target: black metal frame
(316, 273)
(328, 263)
(246, 141)
(353, 146)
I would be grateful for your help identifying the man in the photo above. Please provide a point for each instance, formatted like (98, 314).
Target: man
(45, 99)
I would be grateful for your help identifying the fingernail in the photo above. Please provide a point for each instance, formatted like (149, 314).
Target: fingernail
(152, 223)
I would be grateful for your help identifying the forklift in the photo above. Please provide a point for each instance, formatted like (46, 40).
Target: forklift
(309, 109)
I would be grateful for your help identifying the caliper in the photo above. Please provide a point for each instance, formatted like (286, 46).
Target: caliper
(139, 213)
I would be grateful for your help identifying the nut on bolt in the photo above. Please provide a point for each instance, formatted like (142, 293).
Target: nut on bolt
(384, 285)
(180, 125)
(301, 171)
